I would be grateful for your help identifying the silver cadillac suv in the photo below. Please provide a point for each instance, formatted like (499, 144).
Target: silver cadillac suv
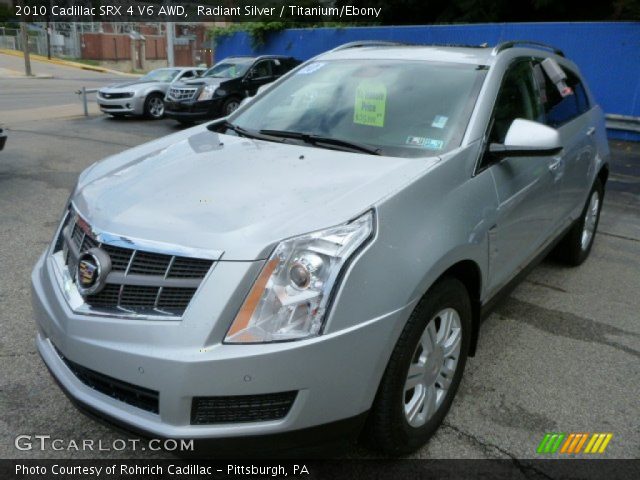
(321, 260)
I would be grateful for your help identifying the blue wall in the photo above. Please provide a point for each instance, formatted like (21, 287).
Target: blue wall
(607, 53)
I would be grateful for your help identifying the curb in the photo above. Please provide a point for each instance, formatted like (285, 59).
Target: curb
(24, 77)
(67, 63)
(7, 74)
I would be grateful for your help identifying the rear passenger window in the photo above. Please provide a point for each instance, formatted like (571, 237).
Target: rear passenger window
(279, 68)
(558, 109)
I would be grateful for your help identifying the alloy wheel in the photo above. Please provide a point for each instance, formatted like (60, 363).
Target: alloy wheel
(432, 367)
(156, 107)
(231, 106)
(590, 220)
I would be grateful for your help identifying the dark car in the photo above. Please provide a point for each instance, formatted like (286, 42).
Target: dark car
(3, 139)
(219, 90)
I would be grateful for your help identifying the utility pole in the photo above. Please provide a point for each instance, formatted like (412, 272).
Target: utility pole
(49, 31)
(170, 35)
(48, 40)
(25, 48)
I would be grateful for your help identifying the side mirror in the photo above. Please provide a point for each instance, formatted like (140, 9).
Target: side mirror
(526, 138)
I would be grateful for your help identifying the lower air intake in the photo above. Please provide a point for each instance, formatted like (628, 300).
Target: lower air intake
(140, 397)
(241, 408)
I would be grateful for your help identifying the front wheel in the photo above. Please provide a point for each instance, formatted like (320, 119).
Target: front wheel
(424, 371)
(230, 105)
(154, 106)
(576, 245)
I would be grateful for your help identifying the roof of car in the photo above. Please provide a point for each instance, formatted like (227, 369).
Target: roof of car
(430, 53)
(178, 68)
(251, 57)
(468, 54)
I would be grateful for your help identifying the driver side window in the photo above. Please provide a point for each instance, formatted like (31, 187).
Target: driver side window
(518, 98)
(261, 69)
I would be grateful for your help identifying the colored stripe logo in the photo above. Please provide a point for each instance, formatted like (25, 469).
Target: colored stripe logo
(573, 443)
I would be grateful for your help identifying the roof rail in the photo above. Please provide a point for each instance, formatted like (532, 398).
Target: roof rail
(513, 43)
(365, 43)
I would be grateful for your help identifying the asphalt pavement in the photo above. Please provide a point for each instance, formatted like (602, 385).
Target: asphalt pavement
(19, 93)
(561, 354)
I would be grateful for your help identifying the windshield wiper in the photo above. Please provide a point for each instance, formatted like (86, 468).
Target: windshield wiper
(241, 132)
(319, 139)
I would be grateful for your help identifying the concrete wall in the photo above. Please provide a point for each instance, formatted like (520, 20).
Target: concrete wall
(607, 53)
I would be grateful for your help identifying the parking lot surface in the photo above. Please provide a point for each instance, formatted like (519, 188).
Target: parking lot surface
(561, 354)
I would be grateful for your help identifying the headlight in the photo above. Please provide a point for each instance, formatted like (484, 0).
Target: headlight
(289, 299)
(207, 93)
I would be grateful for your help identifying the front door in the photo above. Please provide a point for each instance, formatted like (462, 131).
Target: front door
(260, 74)
(527, 187)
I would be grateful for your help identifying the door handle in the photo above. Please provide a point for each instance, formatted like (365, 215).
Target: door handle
(591, 131)
(555, 164)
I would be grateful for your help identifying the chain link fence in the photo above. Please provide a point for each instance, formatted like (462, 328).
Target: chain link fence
(65, 38)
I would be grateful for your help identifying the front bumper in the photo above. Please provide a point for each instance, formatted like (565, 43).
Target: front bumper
(192, 110)
(130, 106)
(332, 383)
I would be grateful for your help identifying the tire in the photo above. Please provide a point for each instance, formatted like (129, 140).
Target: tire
(575, 246)
(391, 428)
(230, 105)
(154, 106)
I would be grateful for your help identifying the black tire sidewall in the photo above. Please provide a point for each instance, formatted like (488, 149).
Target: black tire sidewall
(584, 253)
(393, 434)
(569, 250)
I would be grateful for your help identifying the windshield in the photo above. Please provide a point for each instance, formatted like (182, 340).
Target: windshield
(403, 108)
(160, 75)
(229, 68)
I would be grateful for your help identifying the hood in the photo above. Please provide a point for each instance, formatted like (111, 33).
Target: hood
(199, 189)
(203, 81)
(130, 85)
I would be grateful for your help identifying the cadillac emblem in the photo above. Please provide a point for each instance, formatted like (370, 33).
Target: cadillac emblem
(91, 274)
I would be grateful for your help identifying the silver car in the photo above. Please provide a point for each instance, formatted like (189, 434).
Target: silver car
(144, 96)
(321, 260)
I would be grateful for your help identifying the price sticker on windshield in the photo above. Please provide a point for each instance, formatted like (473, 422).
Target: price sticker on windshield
(370, 104)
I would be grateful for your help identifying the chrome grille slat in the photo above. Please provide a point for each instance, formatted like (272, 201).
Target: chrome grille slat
(140, 282)
(180, 93)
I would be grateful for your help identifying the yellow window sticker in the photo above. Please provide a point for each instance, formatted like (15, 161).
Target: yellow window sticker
(370, 105)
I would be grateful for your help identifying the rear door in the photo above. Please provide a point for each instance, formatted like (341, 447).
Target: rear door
(526, 187)
(569, 114)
